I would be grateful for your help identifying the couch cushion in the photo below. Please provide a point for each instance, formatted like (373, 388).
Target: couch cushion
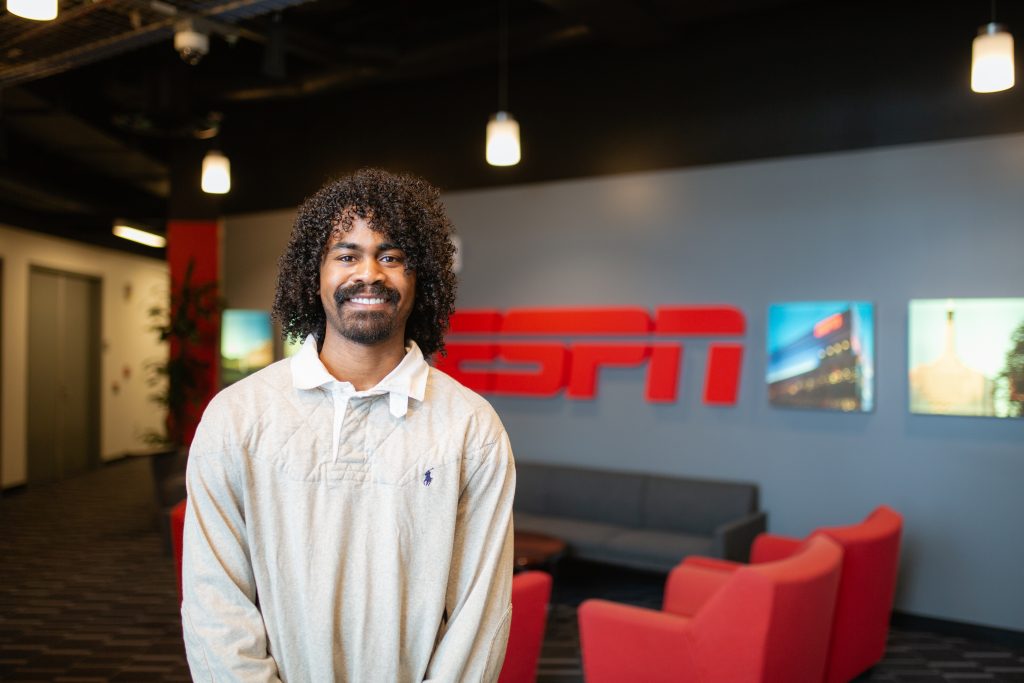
(695, 506)
(529, 488)
(581, 536)
(593, 495)
(654, 550)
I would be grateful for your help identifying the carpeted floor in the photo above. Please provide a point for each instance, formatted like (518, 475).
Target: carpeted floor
(87, 594)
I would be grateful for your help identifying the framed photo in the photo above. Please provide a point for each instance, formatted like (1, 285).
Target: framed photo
(246, 343)
(966, 357)
(821, 354)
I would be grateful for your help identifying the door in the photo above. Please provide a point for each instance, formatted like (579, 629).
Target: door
(63, 381)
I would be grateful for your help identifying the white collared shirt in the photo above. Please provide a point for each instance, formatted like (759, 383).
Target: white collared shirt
(330, 531)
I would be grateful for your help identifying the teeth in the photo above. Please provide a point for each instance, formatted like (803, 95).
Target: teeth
(366, 300)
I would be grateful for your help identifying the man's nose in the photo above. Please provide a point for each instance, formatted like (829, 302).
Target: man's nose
(369, 271)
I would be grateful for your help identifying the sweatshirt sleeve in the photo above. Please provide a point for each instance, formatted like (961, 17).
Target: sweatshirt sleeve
(225, 638)
(471, 644)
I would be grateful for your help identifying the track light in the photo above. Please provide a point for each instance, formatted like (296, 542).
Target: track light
(216, 173)
(992, 57)
(190, 43)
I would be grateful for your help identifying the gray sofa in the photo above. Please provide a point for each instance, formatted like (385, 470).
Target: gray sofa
(637, 520)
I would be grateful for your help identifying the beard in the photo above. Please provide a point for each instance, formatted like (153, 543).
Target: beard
(365, 327)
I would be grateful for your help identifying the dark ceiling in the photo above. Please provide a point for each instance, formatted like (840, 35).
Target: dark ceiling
(102, 119)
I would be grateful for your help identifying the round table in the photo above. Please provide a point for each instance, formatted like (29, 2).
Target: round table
(536, 551)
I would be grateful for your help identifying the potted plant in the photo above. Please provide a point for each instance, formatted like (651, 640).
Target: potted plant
(182, 382)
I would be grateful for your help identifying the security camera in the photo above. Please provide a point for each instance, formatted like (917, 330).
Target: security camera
(190, 43)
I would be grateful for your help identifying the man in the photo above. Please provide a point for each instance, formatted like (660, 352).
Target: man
(350, 509)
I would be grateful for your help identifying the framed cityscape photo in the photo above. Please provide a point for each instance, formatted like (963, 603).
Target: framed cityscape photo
(821, 355)
(966, 357)
(246, 343)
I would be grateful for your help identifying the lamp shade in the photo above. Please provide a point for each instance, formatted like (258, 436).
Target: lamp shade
(992, 59)
(40, 10)
(502, 140)
(216, 173)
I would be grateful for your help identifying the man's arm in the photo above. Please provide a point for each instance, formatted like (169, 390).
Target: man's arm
(478, 603)
(225, 638)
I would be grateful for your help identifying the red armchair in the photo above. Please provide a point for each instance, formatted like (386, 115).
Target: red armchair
(767, 623)
(866, 588)
(531, 592)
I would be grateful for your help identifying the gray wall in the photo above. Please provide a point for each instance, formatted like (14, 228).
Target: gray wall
(887, 225)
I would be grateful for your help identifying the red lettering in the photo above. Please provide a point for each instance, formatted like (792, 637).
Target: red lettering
(587, 358)
(576, 366)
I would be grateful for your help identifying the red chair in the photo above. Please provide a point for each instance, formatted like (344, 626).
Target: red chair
(767, 623)
(177, 532)
(866, 588)
(531, 592)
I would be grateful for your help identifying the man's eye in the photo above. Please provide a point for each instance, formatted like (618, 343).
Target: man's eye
(346, 258)
(390, 258)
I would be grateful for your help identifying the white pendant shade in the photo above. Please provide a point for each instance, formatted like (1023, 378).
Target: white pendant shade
(992, 60)
(216, 173)
(502, 140)
(40, 10)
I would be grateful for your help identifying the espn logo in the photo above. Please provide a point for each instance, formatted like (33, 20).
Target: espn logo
(487, 363)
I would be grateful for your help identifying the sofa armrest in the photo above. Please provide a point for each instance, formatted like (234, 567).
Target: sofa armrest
(627, 643)
(769, 547)
(732, 540)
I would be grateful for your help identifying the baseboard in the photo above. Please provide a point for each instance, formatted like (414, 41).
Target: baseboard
(13, 490)
(960, 629)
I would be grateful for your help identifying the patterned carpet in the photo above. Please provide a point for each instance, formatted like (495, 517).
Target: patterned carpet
(87, 595)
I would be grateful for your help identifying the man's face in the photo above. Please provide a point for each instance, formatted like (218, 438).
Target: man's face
(366, 291)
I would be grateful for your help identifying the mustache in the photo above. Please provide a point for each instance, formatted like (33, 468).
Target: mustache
(343, 294)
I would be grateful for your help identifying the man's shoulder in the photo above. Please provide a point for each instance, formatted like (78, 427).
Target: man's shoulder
(445, 388)
(264, 385)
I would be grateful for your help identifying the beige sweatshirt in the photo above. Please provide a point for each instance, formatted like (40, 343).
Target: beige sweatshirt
(336, 535)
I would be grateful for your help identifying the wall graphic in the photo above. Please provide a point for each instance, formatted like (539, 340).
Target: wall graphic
(524, 351)
(967, 357)
(246, 343)
(821, 354)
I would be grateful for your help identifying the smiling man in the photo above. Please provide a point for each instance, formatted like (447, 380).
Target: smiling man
(350, 509)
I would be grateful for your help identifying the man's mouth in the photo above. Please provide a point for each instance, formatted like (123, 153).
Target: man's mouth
(367, 301)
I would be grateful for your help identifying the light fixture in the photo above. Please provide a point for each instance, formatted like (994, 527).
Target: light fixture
(503, 130)
(128, 232)
(216, 173)
(39, 10)
(992, 58)
(191, 43)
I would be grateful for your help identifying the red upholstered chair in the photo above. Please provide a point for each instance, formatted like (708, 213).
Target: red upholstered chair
(866, 588)
(531, 592)
(177, 532)
(766, 623)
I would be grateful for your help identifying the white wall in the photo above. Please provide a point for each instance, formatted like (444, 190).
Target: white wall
(885, 225)
(130, 285)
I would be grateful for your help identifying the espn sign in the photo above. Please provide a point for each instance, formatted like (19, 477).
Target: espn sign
(487, 363)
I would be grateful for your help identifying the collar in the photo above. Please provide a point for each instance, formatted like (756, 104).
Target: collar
(408, 379)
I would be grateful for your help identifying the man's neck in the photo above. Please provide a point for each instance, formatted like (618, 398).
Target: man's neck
(361, 365)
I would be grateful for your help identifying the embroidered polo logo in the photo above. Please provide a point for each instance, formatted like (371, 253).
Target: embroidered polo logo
(427, 479)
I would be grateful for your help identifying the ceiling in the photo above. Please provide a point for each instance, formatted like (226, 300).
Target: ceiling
(101, 118)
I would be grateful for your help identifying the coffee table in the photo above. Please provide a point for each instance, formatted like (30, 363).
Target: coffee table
(537, 551)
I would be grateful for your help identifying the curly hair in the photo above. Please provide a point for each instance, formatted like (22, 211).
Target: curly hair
(407, 210)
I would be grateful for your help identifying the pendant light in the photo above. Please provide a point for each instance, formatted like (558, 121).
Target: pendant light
(216, 173)
(39, 10)
(503, 130)
(992, 58)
